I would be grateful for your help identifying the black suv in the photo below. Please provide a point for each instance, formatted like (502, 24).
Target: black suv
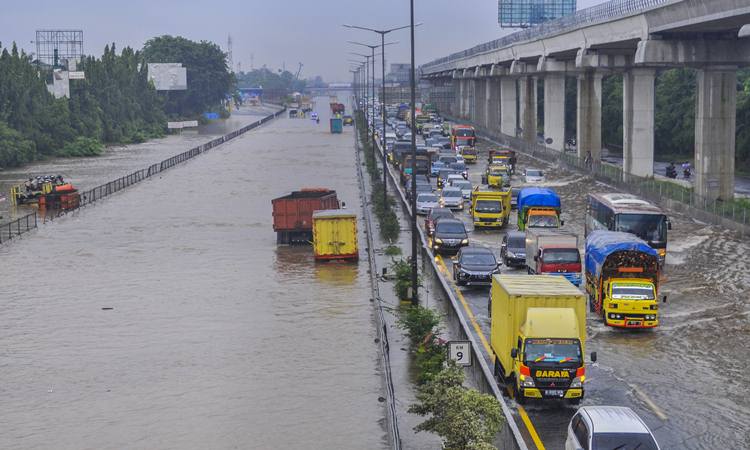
(449, 236)
(433, 216)
(475, 266)
(513, 249)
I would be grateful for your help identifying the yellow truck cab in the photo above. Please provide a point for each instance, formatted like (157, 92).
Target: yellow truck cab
(622, 279)
(490, 208)
(469, 153)
(497, 175)
(538, 336)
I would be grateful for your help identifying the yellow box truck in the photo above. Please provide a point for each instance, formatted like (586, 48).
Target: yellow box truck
(335, 234)
(538, 336)
(490, 208)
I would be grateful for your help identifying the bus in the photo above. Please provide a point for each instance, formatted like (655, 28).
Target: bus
(462, 135)
(630, 214)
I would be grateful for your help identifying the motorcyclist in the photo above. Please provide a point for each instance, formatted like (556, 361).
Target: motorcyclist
(671, 170)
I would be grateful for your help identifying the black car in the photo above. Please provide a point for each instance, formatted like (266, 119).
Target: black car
(475, 266)
(433, 216)
(449, 236)
(513, 249)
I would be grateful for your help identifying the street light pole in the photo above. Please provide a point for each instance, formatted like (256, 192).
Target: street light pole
(382, 34)
(414, 274)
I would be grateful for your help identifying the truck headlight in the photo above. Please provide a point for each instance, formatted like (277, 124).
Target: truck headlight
(615, 316)
(650, 317)
(576, 383)
(465, 242)
(527, 382)
(438, 241)
(511, 254)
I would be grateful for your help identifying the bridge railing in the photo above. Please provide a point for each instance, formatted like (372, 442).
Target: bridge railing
(613, 9)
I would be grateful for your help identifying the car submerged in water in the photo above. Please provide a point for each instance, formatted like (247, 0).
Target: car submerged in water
(474, 266)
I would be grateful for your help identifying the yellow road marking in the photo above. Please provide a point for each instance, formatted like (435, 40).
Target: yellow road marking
(522, 412)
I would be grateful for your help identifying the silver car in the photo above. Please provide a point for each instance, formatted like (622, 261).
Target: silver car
(464, 185)
(452, 198)
(426, 201)
(608, 427)
(533, 176)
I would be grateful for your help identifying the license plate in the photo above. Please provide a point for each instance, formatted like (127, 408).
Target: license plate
(634, 323)
(554, 393)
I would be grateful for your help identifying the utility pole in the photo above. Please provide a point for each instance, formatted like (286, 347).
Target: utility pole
(414, 273)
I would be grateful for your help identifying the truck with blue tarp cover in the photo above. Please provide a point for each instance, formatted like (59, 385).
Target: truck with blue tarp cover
(622, 279)
(538, 208)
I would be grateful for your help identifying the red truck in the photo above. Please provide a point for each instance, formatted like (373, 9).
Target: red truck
(292, 213)
(338, 108)
(551, 252)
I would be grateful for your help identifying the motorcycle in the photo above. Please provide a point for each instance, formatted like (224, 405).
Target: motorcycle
(671, 172)
(687, 172)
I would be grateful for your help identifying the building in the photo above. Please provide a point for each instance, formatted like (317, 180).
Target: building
(399, 75)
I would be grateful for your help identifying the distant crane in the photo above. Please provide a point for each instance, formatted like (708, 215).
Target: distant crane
(296, 75)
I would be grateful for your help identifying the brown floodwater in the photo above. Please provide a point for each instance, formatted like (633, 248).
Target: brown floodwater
(166, 317)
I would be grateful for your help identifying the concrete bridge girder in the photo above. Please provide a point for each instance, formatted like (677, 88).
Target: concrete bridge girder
(692, 52)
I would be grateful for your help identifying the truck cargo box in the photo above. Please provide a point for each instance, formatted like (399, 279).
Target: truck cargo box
(292, 213)
(335, 235)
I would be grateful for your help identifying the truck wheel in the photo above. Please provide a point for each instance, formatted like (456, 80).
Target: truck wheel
(520, 399)
(591, 304)
(574, 401)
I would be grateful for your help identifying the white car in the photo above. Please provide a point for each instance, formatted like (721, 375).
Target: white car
(533, 176)
(452, 197)
(608, 427)
(453, 176)
(426, 201)
(464, 185)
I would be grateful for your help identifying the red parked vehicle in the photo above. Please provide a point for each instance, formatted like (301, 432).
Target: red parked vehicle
(292, 213)
(338, 108)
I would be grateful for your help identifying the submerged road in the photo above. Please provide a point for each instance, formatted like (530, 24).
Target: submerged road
(166, 316)
(687, 378)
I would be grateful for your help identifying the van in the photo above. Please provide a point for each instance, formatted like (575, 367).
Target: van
(608, 427)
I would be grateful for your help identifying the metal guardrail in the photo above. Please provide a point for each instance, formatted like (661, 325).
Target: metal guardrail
(107, 189)
(481, 374)
(672, 195)
(613, 9)
(18, 227)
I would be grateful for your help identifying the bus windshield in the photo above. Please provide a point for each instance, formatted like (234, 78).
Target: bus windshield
(649, 227)
(463, 132)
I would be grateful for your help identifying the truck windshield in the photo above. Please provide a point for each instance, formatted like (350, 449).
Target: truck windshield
(649, 227)
(488, 206)
(627, 291)
(537, 221)
(624, 441)
(562, 256)
(552, 350)
(497, 172)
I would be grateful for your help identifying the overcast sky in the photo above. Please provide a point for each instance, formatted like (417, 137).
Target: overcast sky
(275, 32)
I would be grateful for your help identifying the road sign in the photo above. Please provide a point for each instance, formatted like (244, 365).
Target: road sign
(460, 351)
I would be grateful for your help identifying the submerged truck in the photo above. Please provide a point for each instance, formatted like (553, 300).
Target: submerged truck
(622, 279)
(550, 252)
(293, 213)
(490, 208)
(538, 208)
(538, 336)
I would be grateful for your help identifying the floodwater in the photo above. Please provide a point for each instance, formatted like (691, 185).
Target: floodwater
(119, 160)
(687, 378)
(216, 338)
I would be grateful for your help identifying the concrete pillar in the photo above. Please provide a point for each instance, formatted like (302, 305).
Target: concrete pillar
(527, 108)
(493, 104)
(554, 110)
(487, 83)
(638, 121)
(589, 116)
(715, 132)
(508, 106)
(456, 103)
(471, 113)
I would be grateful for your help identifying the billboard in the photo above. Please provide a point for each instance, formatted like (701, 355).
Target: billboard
(168, 76)
(527, 13)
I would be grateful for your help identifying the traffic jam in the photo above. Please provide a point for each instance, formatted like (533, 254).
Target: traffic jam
(534, 286)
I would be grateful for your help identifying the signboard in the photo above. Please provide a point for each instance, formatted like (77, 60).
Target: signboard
(460, 351)
(181, 125)
(76, 75)
(527, 13)
(168, 76)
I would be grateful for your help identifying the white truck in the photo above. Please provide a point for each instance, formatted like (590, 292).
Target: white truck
(551, 252)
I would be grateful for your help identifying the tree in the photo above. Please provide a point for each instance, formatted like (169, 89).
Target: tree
(209, 80)
(465, 418)
(675, 113)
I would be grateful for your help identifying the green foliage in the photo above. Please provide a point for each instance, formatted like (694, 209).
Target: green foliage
(275, 85)
(420, 323)
(115, 103)
(464, 418)
(209, 79)
(392, 250)
(675, 112)
(743, 122)
(14, 148)
(82, 146)
(612, 110)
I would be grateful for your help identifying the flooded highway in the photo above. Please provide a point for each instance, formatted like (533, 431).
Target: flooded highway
(686, 378)
(166, 316)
